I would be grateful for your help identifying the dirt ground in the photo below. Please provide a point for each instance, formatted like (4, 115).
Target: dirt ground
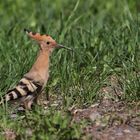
(111, 118)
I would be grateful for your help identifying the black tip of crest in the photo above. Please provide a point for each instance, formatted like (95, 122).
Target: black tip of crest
(26, 30)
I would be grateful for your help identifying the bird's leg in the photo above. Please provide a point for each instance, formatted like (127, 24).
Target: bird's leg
(28, 101)
(42, 98)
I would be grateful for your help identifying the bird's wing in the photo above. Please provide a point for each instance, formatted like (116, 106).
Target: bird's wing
(26, 86)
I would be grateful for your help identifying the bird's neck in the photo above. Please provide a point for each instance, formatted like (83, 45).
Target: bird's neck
(42, 62)
(40, 69)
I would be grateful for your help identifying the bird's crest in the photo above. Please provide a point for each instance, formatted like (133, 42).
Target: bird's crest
(37, 36)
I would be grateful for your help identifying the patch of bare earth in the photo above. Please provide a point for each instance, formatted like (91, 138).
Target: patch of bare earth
(110, 118)
(9, 134)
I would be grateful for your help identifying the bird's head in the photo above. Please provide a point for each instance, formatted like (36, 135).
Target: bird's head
(45, 41)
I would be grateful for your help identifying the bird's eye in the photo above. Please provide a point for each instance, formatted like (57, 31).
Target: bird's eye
(48, 43)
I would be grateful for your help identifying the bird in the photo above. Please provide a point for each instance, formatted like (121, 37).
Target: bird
(34, 81)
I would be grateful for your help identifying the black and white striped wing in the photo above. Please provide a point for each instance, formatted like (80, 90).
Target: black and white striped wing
(26, 86)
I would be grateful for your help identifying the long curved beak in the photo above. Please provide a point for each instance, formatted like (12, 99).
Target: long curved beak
(61, 46)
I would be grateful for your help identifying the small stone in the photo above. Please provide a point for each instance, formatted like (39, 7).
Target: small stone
(45, 102)
(94, 116)
(21, 109)
(13, 116)
(94, 105)
(126, 131)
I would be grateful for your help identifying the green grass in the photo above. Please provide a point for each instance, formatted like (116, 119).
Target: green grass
(105, 37)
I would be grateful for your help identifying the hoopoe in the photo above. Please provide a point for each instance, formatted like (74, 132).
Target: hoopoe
(33, 82)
